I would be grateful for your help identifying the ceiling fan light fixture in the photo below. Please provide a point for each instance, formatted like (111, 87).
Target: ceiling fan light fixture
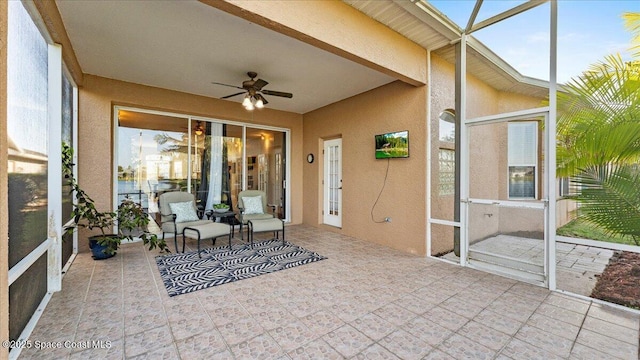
(247, 101)
(259, 103)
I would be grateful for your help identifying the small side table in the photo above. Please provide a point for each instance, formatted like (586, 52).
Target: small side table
(229, 216)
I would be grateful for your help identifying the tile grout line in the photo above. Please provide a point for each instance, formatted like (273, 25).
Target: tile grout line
(123, 310)
(525, 323)
(581, 326)
(164, 310)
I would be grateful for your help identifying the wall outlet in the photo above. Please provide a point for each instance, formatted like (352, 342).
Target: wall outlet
(387, 219)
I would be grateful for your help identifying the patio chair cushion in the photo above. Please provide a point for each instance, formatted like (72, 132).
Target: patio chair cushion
(246, 218)
(253, 205)
(170, 227)
(184, 211)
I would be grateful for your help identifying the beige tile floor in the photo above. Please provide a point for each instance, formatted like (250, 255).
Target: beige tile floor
(364, 302)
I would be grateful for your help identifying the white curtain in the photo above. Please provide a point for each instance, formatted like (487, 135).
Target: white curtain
(215, 168)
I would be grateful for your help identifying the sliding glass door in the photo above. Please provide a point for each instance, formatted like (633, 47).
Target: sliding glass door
(214, 160)
(266, 165)
(153, 157)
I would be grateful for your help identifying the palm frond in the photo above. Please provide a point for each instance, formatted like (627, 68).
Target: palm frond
(632, 23)
(610, 198)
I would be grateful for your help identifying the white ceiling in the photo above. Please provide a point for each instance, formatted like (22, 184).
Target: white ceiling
(185, 45)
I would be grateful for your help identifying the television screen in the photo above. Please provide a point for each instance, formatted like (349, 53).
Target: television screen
(392, 145)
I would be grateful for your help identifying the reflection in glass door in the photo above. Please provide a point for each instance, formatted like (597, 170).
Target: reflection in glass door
(266, 164)
(213, 160)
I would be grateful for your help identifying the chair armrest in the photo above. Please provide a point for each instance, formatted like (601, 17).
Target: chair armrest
(173, 216)
(209, 213)
(240, 210)
(273, 209)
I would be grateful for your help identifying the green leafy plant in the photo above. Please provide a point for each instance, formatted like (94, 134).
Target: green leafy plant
(599, 141)
(129, 216)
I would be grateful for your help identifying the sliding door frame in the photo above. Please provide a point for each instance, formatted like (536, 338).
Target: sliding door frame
(192, 118)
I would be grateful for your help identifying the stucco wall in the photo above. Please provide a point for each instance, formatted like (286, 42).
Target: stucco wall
(95, 128)
(393, 107)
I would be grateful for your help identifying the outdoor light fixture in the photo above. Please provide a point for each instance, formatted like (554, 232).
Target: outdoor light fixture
(448, 115)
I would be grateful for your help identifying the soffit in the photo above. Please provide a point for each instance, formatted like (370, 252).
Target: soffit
(426, 26)
(185, 45)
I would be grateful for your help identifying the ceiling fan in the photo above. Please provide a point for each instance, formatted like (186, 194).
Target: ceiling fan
(254, 90)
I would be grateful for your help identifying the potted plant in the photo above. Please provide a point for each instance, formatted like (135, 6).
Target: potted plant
(130, 218)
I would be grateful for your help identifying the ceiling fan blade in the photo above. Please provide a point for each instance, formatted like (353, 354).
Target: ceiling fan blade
(259, 84)
(277, 93)
(232, 95)
(233, 86)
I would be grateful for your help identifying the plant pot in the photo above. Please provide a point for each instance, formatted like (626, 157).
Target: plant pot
(98, 250)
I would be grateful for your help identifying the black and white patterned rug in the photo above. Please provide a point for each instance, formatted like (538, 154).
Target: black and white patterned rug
(184, 273)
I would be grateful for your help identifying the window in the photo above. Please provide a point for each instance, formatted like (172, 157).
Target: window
(447, 131)
(447, 172)
(523, 159)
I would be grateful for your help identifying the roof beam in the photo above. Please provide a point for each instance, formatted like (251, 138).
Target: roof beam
(472, 18)
(358, 37)
(504, 15)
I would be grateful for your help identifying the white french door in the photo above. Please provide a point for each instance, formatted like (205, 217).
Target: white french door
(332, 180)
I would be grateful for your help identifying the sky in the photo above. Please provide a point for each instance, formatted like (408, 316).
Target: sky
(588, 30)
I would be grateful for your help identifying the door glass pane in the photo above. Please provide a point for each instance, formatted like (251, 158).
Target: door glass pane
(67, 137)
(152, 157)
(265, 154)
(217, 164)
(233, 147)
(333, 180)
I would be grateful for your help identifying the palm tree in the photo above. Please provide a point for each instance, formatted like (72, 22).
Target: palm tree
(599, 140)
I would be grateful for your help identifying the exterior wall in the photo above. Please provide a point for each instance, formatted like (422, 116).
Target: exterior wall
(565, 211)
(393, 107)
(95, 131)
(4, 191)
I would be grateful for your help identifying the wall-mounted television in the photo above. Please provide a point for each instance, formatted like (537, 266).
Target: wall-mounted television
(392, 145)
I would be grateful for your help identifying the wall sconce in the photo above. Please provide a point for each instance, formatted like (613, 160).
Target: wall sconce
(448, 115)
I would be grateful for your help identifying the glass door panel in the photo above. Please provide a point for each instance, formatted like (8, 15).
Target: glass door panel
(152, 157)
(216, 163)
(266, 165)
